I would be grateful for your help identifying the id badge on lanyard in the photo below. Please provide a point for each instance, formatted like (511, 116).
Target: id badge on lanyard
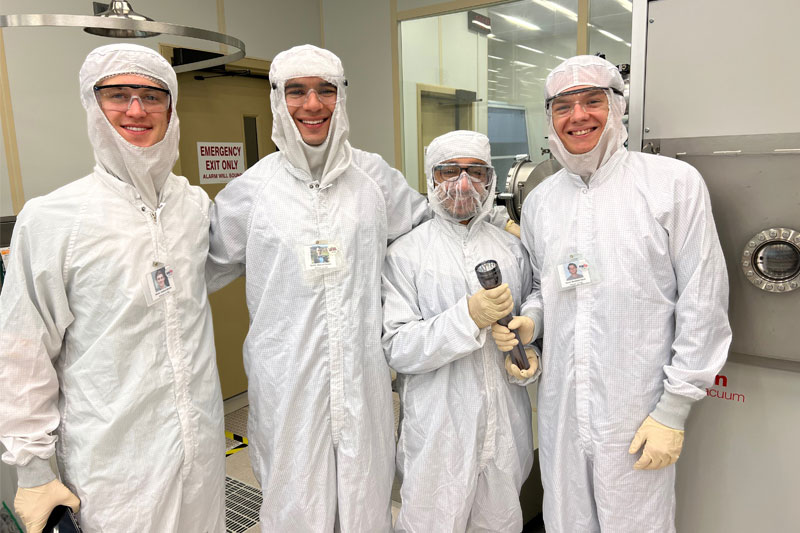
(575, 270)
(321, 257)
(158, 282)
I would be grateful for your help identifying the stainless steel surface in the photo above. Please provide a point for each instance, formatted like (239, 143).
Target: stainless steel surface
(81, 21)
(720, 67)
(637, 76)
(771, 260)
(523, 177)
(120, 9)
(754, 185)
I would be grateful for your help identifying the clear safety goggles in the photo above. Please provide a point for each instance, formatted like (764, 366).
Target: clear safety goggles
(120, 97)
(589, 98)
(452, 172)
(297, 95)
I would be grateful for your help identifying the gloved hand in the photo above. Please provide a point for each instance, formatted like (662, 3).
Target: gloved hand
(662, 445)
(504, 336)
(513, 228)
(515, 371)
(35, 504)
(486, 307)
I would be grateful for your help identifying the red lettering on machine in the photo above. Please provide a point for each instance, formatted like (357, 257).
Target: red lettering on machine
(722, 381)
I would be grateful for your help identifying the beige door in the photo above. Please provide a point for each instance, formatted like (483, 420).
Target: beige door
(226, 109)
(440, 112)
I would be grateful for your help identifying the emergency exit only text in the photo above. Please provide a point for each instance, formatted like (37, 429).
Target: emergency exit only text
(219, 162)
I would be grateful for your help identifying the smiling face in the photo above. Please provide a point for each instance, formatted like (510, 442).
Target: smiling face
(572, 269)
(580, 130)
(136, 125)
(313, 116)
(161, 279)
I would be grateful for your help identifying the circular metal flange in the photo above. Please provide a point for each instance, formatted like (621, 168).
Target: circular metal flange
(771, 260)
(523, 176)
(82, 21)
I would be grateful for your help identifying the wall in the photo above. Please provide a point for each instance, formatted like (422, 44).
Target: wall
(358, 31)
(43, 66)
(5, 187)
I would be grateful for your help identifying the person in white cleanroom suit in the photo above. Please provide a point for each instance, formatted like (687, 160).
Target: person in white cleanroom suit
(120, 382)
(631, 346)
(321, 424)
(465, 445)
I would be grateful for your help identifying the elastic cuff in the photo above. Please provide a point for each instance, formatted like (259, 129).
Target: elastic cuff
(35, 473)
(537, 316)
(672, 410)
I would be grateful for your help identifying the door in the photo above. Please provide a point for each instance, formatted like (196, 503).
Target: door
(225, 107)
(441, 110)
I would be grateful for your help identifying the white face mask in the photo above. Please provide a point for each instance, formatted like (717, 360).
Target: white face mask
(460, 199)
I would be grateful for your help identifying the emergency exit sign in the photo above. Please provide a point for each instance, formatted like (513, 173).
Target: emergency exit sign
(219, 162)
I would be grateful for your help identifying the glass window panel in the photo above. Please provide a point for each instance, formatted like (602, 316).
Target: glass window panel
(505, 71)
(610, 30)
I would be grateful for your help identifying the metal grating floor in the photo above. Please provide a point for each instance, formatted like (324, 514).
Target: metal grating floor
(242, 503)
(236, 423)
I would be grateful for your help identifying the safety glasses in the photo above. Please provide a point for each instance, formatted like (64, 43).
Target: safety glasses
(453, 172)
(120, 97)
(297, 94)
(589, 99)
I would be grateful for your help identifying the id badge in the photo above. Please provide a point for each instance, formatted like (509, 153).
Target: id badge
(575, 270)
(158, 282)
(321, 257)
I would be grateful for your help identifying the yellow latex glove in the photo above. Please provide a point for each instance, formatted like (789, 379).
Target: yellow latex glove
(35, 504)
(504, 336)
(515, 371)
(662, 445)
(486, 307)
(513, 228)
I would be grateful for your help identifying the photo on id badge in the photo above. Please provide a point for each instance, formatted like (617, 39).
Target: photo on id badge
(574, 272)
(320, 254)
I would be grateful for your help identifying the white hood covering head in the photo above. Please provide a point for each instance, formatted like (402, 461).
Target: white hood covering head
(454, 145)
(597, 72)
(146, 168)
(328, 160)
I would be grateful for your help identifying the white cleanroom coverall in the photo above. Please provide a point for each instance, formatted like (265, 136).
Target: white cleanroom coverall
(465, 444)
(321, 421)
(644, 340)
(126, 394)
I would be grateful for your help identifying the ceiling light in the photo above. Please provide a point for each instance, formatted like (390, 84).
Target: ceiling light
(121, 21)
(529, 49)
(523, 64)
(520, 22)
(626, 4)
(495, 57)
(610, 35)
(494, 37)
(120, 10)
(552, 6)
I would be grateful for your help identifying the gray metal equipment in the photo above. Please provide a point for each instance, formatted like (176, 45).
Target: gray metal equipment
(721, 107)
(523, 177)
